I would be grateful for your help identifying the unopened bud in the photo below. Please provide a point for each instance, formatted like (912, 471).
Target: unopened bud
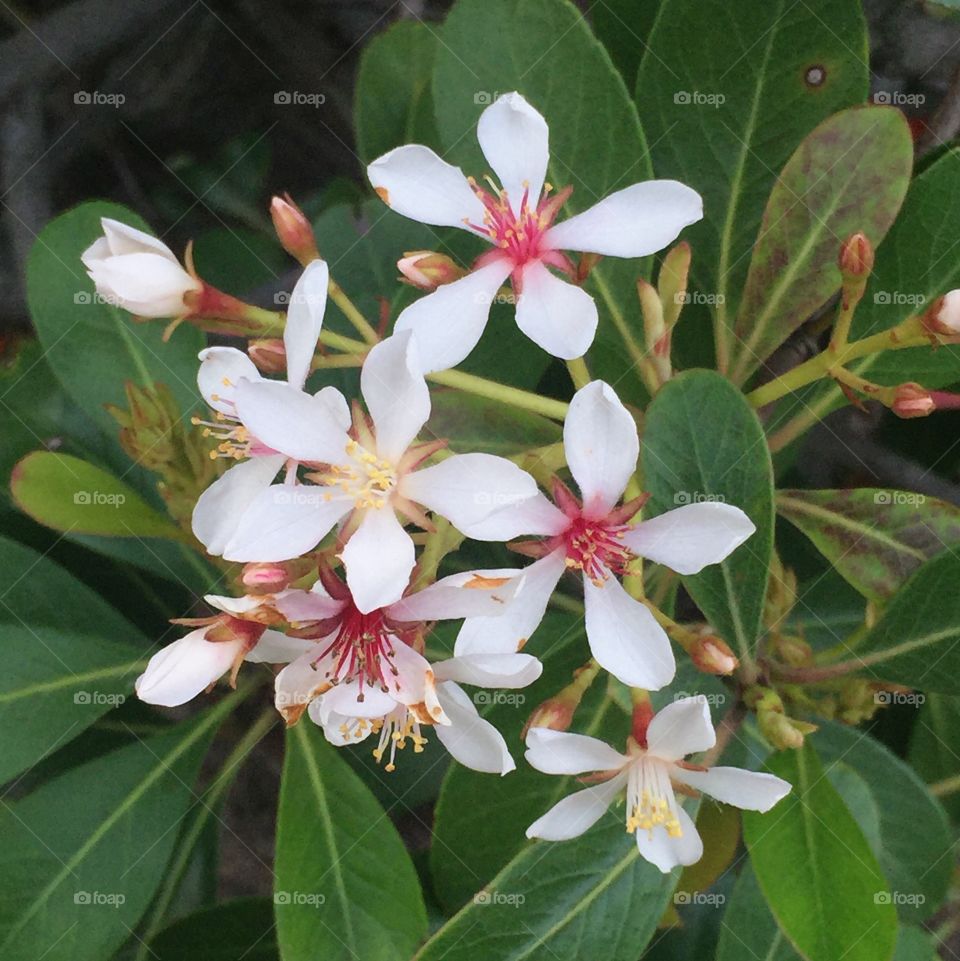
(783, 732)
(943, 315)
(555, 713)
(856, 257)
(294, 230)
(427, 270)
(712, 655)
(912, 400)
(672, 282)
(266, 578)
(227, 629)
(270, 355)
(793, 651)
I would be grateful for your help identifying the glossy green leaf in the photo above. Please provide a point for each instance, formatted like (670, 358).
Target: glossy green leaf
(393, 103)
(71, 495)
(916, 944)
(545, 50)
(74, 886)
(816, 869)
(344, 887)
(593, 896)
(915, 863)
(933, 742)
(624, 28)
(915, 641)
(875, 538)
(850, 174)
(53, 685)
(749, 931)
(240, 929)
(93, 347)
(726, 92)
(702, 442)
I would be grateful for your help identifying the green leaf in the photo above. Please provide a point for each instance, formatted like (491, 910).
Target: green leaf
(240, 929)
(932, 745)
(850, 174)
(874, 538)
(702, 442)
(816, 869)
(70, 495)
(912, 861)
(345, 887)
(726, 91)
(92, 347)
(52, 686)
(393, 103)
(749, 931)
(473, 423)
(83, 854)
(624, 28)
(915, 944)
(545, 50)
(915, 640)
(593, 896)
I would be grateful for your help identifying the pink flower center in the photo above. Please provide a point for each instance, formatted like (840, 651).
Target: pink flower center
(596, 547)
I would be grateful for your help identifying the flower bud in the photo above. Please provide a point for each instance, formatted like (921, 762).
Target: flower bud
(943, 315)
(912, 400)
(856, 257)
(293, 229)
(266, 578)
(269, 355)
(138, 272)
(427, 270)
(712, 655)
(555, 713)
(783, 732)
(793, 651)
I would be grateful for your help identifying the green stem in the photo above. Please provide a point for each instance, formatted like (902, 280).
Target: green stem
(512, 396)
(350, 311)
(578, 372)
(947, 786)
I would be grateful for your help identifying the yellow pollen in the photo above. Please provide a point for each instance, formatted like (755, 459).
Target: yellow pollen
(368, 479)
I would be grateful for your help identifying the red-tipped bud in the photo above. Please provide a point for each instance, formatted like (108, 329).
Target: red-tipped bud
(269, 355)
(912, 400)
(266, 578)
(856, 257)
(943, 315)
(293, 229)
(555, 713)
(427, 270)
(712, 655)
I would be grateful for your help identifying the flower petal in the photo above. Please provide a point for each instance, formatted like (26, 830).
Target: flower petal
(449, 322)
(624, 637)
(412, 683)
(681, 728)
(509, 631)
(535, 516)
(559, 752)
(415, 182)
(557, 316)
(515, 140)
(224, 502)
(666, 852)
(689, 538)
(221, 369)
(343, 699)
(600, 441)
(638, 220)
(339, 729)
(298, 606)
(750, 790)
(337, 405)
(146, 284)
(301, 681)
(470, 594)
(378, 558)
(276, 648)
(308, 301)
(290, 421)
(283, 522)
(467, 488)
(490, 670)
(577, 813)
(470, 739)
(184, 668)
(121, 238)
(397, 396)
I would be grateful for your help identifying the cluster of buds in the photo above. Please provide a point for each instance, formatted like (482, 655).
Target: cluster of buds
(781, 730)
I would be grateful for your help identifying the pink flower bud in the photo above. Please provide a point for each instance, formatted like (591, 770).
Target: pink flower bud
(912, 400)
(266, 578)
(428, 270)
(293, 229)
(269, 355)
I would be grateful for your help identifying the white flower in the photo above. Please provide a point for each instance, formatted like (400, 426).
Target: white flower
(181, 670)
(518, 220)
(363, 477)
(365, 676)
(946, 313)
(222, 370)
(138, 272)
(593, 536)
(665, 834)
